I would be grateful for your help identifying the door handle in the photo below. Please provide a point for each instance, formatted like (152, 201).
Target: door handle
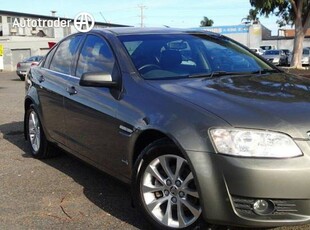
(71, 90)
(41, 79)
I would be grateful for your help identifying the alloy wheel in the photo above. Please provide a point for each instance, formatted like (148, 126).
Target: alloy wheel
(169, 192)
(34, 131)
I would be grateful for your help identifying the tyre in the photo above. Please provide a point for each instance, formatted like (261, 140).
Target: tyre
(164, 188)
(286, 62)
(39, 146)
(22, 77)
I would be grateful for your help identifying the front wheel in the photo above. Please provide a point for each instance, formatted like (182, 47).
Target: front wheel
(22, 77)
(165, 189)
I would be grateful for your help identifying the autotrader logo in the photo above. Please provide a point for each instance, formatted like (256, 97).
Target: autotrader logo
(84, 22)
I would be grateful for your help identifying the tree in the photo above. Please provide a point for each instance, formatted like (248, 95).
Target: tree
(206, 22)
(290, 12)
(253, 16)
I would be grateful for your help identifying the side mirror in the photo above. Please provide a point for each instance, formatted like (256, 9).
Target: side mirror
(98, 79)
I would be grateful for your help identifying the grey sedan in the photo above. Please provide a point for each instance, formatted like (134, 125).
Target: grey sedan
(23, 67)
(203, 130)
(276, 57)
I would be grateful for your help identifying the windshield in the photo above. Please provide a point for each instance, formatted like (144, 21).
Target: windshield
(306, 51)
(33, 59)
(286, 51)
(166, 56)
(272, 52)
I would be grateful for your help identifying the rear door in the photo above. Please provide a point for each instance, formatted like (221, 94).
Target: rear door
(53, 78)
(91, 126)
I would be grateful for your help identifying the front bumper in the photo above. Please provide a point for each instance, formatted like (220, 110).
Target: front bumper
(305, 61)
(229, 186)
(274, 61)
(21, 72)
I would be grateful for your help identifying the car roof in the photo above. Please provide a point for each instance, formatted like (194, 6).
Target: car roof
(137, 30)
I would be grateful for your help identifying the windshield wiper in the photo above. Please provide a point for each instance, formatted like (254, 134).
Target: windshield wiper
(264, 71)
(216, 74)
(224, 73)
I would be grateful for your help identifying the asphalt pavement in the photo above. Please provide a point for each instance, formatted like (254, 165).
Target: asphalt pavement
(58, 193)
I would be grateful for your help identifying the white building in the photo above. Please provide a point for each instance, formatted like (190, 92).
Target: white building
(21, 39)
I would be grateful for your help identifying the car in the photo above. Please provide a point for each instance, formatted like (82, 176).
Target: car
(305, 57)
(23, 67)
(204, 131)
(268, 47)
(288, 54)
(259, 51)
(277, 57)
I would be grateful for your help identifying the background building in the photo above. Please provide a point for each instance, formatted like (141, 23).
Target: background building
(291, 33)
(256, 35)
(20, 43)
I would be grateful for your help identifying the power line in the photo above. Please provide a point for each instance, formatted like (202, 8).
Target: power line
(103, 17)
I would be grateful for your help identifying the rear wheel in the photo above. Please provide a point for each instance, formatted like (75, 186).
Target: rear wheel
(165, 189)
(39, 146)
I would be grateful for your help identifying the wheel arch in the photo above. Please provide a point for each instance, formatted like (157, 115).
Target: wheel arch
(147, 137)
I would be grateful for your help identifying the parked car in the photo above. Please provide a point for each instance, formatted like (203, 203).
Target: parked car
(23, 67)
(276, 57)
(305, 56)
(217, 135)
(268, 47)
(288, 55)
(259, 51)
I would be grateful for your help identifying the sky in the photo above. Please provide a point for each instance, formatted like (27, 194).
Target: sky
(157, 13)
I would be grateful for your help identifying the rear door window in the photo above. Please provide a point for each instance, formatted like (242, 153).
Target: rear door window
(64, 56)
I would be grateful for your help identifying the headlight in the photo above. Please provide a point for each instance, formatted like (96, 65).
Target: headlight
(254, 143)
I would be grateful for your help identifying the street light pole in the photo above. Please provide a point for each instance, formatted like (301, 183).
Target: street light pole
(142, 7)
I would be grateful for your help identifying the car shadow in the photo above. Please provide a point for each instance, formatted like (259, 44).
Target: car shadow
(107, 193)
